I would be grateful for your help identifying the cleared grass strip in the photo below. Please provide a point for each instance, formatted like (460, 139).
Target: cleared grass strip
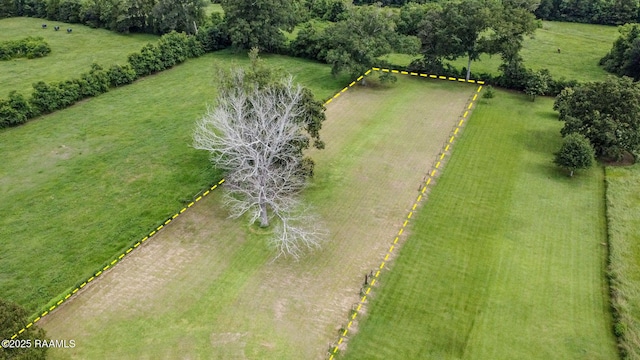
(429, 178)
(506, 260)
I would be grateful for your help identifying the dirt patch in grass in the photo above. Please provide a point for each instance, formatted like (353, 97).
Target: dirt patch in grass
(627, 160)
(211, 278)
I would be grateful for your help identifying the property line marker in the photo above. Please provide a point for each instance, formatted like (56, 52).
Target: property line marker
(424, 188)
(114, 261)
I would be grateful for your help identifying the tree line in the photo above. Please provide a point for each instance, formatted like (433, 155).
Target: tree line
(149, 16)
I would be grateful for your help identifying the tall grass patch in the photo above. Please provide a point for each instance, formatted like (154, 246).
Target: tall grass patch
(623, 213)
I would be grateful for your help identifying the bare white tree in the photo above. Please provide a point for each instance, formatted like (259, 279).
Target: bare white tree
(256, 135)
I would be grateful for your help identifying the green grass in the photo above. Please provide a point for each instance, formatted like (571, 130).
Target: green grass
(623, 212)
(71, 54)
(505, 260)
(78, 185)
(233, 300)
(582, 46)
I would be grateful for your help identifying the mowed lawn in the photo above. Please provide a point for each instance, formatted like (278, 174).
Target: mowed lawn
(206, 286)
(507, 258)
(581, 48)
(623, 211)
(71, 54)
(78, 185)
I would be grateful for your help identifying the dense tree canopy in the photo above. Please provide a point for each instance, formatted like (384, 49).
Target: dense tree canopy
(607, 113)
(354, 43)
(624, 57)
(610, 12)
(469, 28)
(152, 16)
(258, 23)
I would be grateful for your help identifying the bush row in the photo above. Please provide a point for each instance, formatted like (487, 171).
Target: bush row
(171, 49)
(29, 47)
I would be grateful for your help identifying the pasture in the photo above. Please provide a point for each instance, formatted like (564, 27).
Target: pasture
(234, 302)
(507, 258)
(581, 48)
(79, 185)
(71, 54)
(623, 207)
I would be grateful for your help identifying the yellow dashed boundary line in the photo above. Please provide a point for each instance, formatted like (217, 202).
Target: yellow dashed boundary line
(118, 258)
(431, 175)
(402, 72)
(137, 244)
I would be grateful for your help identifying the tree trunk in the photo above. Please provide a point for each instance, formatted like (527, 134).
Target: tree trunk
(469, 68)
(571, 174)
(264, 220)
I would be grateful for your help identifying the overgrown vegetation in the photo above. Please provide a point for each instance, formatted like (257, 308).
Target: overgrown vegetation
(29, 47)
(623, 207)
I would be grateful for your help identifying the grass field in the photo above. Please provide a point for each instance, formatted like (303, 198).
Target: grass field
(80, 184)
(71, 54)
(236, 303)
(582, 46)
(506, 260)
(623, 209)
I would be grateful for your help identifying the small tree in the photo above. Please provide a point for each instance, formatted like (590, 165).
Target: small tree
(12, 318)
(576, 153)
(256, 133)
(537, 84)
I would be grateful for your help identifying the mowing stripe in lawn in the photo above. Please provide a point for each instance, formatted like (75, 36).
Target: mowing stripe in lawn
(58, 301)
(430, 177)
(506, 260)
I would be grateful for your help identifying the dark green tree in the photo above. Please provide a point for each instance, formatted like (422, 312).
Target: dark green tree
(178, 15)
(576, 153)
(458, 29)
(624, 57)
(258, 23)
(355, 43)
(13, 318)
(607, 113)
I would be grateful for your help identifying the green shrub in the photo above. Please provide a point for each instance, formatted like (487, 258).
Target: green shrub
(213, 38)
(488, 92)
(13, 318)
(121, 75)
(93, 83)
(29, 47)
